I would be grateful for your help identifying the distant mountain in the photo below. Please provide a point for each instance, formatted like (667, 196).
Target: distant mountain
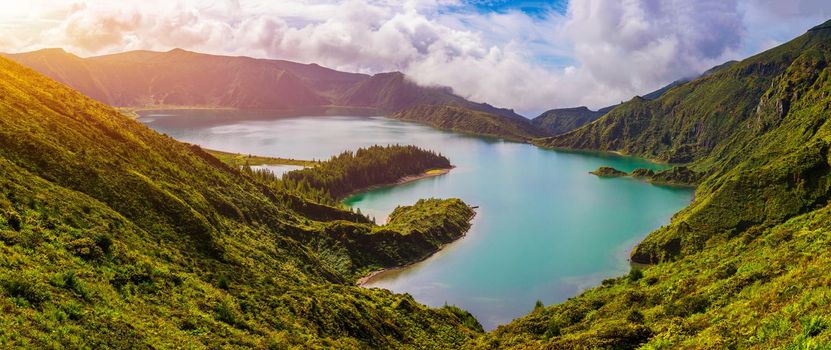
(562, 120)
(654, 95)
(184, 78)
(394, 92)
(466, 120)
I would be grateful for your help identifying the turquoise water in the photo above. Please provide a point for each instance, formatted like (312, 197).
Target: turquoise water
(544, 230)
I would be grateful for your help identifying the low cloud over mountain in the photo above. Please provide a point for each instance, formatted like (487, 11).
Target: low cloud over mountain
(555, 56)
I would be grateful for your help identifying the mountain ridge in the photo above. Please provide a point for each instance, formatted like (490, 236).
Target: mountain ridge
(184, 78)
(465, 120)
(559, 121)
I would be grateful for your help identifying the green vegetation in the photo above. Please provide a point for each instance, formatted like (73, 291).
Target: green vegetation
(678, 175)
(746, 264)
(238, 160)
(412, 233)
(606, 171)
(642, 172)
(562, 120)
(114, 236)
(350, 172)
(470, 121)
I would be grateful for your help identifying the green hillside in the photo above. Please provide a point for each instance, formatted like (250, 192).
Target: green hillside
(113, 235)
(562, 120)
(470, 121)
(746, 265)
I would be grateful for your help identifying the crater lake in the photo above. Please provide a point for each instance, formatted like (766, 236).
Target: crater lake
(545, 228)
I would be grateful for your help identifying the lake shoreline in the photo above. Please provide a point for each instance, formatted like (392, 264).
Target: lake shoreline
(369, 277)
(240, 159)
(401, 181)
(526, 221)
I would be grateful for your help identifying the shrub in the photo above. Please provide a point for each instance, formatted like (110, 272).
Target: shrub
(812, 327)
(105, 243)
(86, 248)
(225, 313)
(635, 274)
(74, 311)
(223, 283)
(726, 271)
(555, 326)
(633, 297)
(406, 304)
(140, 275)
(468, 320)
(15, 222)
(689, 305)
(635, 316)
(25, 290)
(71, 282)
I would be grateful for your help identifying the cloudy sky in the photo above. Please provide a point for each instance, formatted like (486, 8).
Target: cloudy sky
(527, 55)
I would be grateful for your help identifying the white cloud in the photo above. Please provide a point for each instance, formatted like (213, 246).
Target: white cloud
(597, 53)
(630, 47)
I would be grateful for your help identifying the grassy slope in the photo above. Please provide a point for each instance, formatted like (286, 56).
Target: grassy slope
(562, 120)
(465, 120)
(113, 235)
(746, 264)
(237, 159)
(691, 121)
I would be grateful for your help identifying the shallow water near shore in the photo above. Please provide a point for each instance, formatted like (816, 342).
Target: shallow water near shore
(545, 228)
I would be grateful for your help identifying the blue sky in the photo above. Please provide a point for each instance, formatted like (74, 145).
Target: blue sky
(535, 9)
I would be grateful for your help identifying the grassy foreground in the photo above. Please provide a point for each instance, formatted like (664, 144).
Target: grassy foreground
(114, 236)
